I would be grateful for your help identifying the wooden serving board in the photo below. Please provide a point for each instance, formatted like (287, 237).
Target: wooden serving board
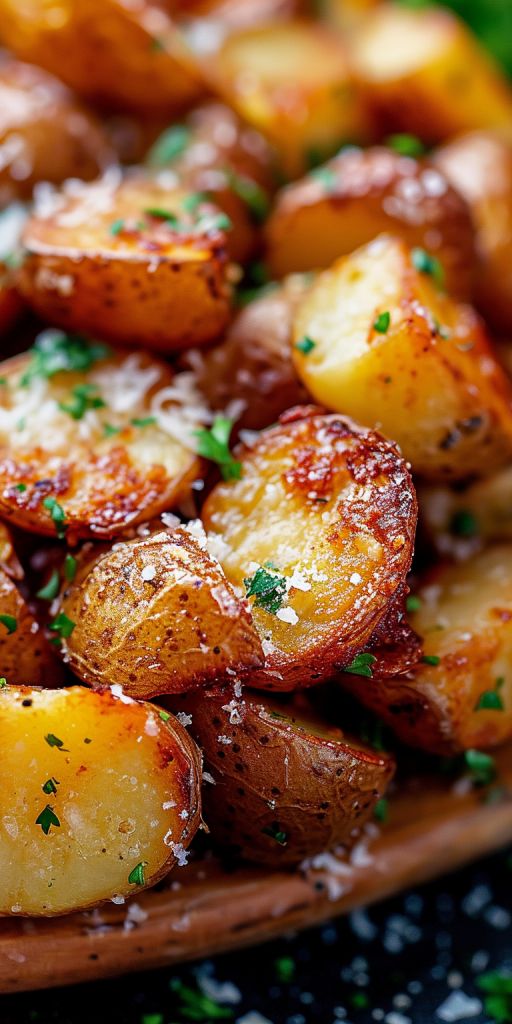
(202, 909)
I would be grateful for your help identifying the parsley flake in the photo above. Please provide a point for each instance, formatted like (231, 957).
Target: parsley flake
(497, 989)
(20, 487)
(160, 214)
(285, 969)
(381, 809)
(193, 200)
(50, 786)
(405, 144)
(137, 876)
(413, 603)
(164, 715)
(252, 194)
(482, 767)
(464, 524)
(145, 421)
(54, 741)
(425, 263)
(57, 352)
(305, 345)
(117, 226)
(198, 1006)
(70, 564)
(83, 397)
(3, 682)
(170, 145)
(382, 322)
(213, 445)
(110, 431)
(47, 818)
(10, 623)
(326, 177)
(362, 665)
(62, 625)
(57, 514)
(268, 590)
(51, 589)
(491, 700)
(276, 833)
(431, 659)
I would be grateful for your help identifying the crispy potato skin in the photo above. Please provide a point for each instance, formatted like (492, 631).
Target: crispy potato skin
(105, 50)
(103, 482)
(280, 770)
(158, 616)
(144, 283)
(330, 506)
(423, 72)
(251, 372)
(430, 380)
(293, 82)
(49, 135)
(357, 196)
(464, 619)
(122, 775)
(479, 165)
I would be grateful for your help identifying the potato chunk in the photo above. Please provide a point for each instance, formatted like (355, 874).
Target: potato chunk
(157, 615)
(293, 82)
(424, 72)
(130, 262)
(288, 784)
(319, 532)
(358, 195)
(460, 696)
(103, 798)
(92, 441)
(127, 56)
(390, 348)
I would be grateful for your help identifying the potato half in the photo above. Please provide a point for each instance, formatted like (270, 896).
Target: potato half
(157, 615)
(318, 532)
(460, 696)
(288, 785)
(129, 261)
(358, 195)
(92, 441)
(424, 72)
(103, 798)
(377, 338)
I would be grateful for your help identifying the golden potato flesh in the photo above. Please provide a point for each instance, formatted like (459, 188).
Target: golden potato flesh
(92, 440)
(358, 195)
(390, 348)
(128, 56)
(424, 72)
(318, 532)
(157, 615)
(293, 82)
(479, 165)
(103, 798)
(288, 785)
(460, 696)
(131, 262)
(251, 375)
(45, 135)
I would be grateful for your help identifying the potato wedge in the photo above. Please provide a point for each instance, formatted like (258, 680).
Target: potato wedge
(45, 134)
(250, 375)
(214, 153)
(460, 696)
(479, 165)
(288, 785)
(103, 798)
(358, 195)
(128, 262)
(390, 348)
(319, 531)
(157, 615)
(424, 72)
(92, 441)
(127, 56)
(293, 82)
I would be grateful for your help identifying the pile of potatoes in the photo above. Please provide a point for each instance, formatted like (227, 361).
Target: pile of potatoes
(255, 427)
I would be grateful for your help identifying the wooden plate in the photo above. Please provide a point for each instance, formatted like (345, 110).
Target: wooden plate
(434, 826)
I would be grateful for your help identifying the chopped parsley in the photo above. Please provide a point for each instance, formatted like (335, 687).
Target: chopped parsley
(145, 421)
(50, 786)
(51, 589)
(193, 200)
(252, 194)
(431, 659)
(497, 989)
(425, 263)
(305, 345)
(413, 603)
(54, 741)
(117, 226)
(47, 818)
(464, 524)
(83, 397)
(326, 177)
(171, 144)
(10, 623)
(285, 969)
(213, 445)
(268, 590)
(382, 322)
(405, 144)
(137, 875)
(276, 833)
(214, 222)
(62, 625)
(57, 352)
(111, 431)
(491, 700)
(70, 564)
(3, 682)
(381, 809)
(362, 665)
(481, 767)
(164, 715)
(57, 514)
(160, 214)
(20, 487)
(198, 1006)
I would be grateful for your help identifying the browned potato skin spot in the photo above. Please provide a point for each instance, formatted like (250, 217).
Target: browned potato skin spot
(297, 773)
(369, 192)
(176, 770)
(179, 630)
(335, 454)
(152, 287)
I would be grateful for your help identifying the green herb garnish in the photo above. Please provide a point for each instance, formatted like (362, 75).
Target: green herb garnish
(362, 665)
(84, 397)
(57, 514)
(285, 969)
(276, 833)
(70, 564)
(160, 214)
(3, 682)
(137, 876)
(382, 322)
(252, 194)
(268, 590)
(491, 700)
(20, 487)
(381, 809)
(425, 263)
(117, 226)
(198, 1007)
(47, 818)
(170, 144)
(405, 144)
(145, 421)
(464, 524)
(164, 715)
(497, 987)
(62, 625)
(111, 431)
(326, 177)
(305, 345)
(413, 603)
(431, 659)
(57, 352)
(51, 589)
(193, 200)
(54, 741)
(10, 623)
(213, 445)
(50, 786)
(481, 767)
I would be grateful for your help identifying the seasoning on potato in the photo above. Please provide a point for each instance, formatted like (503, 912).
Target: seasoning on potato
(318, 533)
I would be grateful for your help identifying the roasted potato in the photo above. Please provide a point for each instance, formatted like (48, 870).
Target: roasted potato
(479, 165)
(130, 262)
(250, 376)
(319, 531)
(459, 521)
(45, 135)
(92, 441)
(288, 785)
(424, 72)
(215, 154)
(377, 338)
(358, 195)
(127, 56)
(293, 82)
(460, 696)
(103, 798)
(157, 615)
